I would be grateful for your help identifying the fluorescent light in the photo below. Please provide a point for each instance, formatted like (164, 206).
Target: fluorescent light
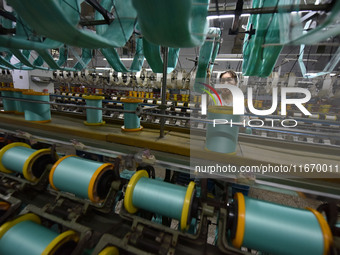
(224, 71)
(228, 59)
(121, 59)
(221, 16)
(58, 59)
(103, 68)
(225, 16)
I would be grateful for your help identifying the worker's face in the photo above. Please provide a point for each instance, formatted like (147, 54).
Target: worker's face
(227, 79)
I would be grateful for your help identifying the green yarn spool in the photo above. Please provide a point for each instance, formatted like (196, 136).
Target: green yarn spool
(82, 177)
(156, 196)
(20, 158)
(94, 117)
(131, 120)
(36, 112)
(25, 235)
(17, 93)
(277, 229)
(222, 138)
(9, 105)
(159, 197)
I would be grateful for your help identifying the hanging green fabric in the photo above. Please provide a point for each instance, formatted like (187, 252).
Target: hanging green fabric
(5, 63)
(61, 18)
(152, 54)
(215, 51)
(39, 61)
(176, 23)
(63, 52)
(259, 60)
(86, 56)
(111, 54)
(328, 28)
(208, 53)
(331, 64)
(113, 58)
(48, 59)
(22, 43)
(121, 28)
(25, 38)
(138, 59)
(21, 57)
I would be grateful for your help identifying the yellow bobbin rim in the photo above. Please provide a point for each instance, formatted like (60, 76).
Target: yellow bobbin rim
(6, 89)
(54, 167)
(61, 239)
(186, 207)
(131, 129)
(35, 93)
(4, 206)
(128, 204)
(19, 113)
(131, 100)
(241, 216)
(220, 109)
(6, 148)
(326, 231)
(109, 250)
(94, 124)
(230, 153)
(8, 225)
(17, 90)
(40, 121)
(27, 168)
(93, 97)
(92, 191)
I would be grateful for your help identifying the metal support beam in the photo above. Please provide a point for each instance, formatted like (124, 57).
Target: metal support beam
(88, 23)
(236, 22)
(163, 91)
(106, 14)
(264, 10)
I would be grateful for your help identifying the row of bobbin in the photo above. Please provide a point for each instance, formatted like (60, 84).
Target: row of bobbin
(33, 111)
(82, 177)
(94, 116)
